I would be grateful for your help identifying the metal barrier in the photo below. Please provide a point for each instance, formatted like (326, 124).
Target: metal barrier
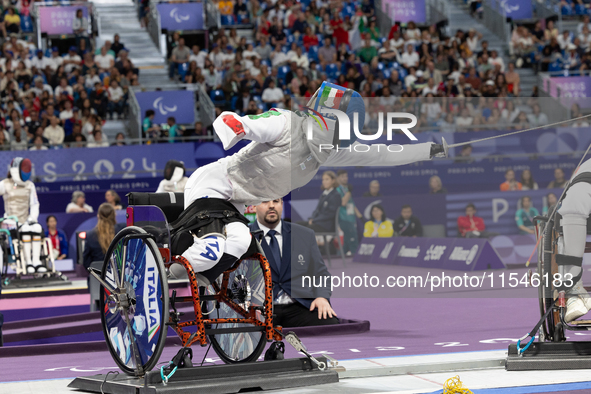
(383, 20)
(154, 29)
(135, 116)
(437, 11)
(206, 108)
(212, 15)
(494, 18)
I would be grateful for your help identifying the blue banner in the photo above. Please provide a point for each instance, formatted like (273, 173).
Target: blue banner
(181, 16)
(179, 104)
(516, 9)
(90, 164)
(438, 253)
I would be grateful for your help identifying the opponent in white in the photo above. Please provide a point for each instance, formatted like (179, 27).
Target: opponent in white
(174, 178)
(280, 158)
(20, 200)
(575, 210)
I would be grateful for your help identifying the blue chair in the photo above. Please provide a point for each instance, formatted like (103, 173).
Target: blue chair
(266, 62)
(182, 69)
(282, 72)
(290, 38)
(26, 24)
(285, 48)
(332, 70)
(313, 54)
(233, 102)
(227, 20)
(387, 72)
(218, 97)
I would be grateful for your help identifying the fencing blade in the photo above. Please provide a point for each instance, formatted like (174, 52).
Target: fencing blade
(515, 132)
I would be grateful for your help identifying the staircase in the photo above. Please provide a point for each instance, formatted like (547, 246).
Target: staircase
(121, 17)
(460, 19)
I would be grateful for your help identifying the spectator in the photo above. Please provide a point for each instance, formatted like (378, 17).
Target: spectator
(54, 132)
(78, 203)
(374, 189)
(368, 51)
(272, 95)
(348, 214)
(527, 181)
(241, 12)
(99, 140)
(98, 239)
(111, 197)
(116, 100)
(408, 225)
(410, 58)
(104, 60)
(436, 186)
(149, 129)
(57, 238)
(465, 155)
(12, 21)
(76, 132)
(323, 217)
(198, 56)
(278, 57)
(72, 60)
(119, 140)
(327, 53)
(379, 225)
(551, 201)
(38, 143)
(471, 226)
(510, 183)
(180, 55)
(175, 133)
(80, 28)
(18, 142)
(524, 216)
(559, 181)
(117, 46)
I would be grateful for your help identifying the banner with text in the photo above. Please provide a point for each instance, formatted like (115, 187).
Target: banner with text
(437, 253)
(58, 20)
(570, 90)
(515, 9)
(405, 11)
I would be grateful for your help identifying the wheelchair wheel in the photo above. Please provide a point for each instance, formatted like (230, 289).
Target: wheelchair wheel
(247, 284)
(554, 329)
(134, 319)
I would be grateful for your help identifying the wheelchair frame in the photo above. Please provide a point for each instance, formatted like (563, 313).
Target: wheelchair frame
(119, 300)
(554, 326)
(16, 248)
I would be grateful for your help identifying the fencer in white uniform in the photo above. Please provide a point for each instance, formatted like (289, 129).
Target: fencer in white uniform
(575, 210)
(174, 178)
(279, 159)
(20, 200)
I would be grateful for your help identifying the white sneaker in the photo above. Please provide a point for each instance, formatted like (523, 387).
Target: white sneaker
(41, 269)
(577, 306)
(578, 303)
(30, 269)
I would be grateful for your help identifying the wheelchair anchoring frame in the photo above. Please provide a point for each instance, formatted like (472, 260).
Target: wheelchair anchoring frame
(248, 317)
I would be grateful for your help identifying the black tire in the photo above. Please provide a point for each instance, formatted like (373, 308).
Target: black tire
(150, 310)
(548, 293)
(241, 347)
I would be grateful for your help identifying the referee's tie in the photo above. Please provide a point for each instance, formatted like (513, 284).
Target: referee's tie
(274, 246)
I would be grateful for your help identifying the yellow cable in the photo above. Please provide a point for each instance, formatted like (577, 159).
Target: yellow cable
(455, 386)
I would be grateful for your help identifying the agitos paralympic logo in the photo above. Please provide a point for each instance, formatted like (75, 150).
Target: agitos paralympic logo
(344, 130)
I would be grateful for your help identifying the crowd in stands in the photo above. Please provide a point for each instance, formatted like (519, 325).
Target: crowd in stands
(54, 100)
(451, 83)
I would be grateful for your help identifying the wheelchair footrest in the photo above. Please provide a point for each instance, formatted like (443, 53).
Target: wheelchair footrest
(231, 378)
(550, 356)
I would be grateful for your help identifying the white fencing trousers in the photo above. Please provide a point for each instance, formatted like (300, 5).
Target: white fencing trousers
(205, 253)
(575, 209)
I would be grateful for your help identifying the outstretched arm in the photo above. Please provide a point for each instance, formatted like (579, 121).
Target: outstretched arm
(266, 127)
(379, 155)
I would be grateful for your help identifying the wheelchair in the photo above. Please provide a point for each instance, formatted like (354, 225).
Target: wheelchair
(13, 253)
(552, 302)
(234, 314)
